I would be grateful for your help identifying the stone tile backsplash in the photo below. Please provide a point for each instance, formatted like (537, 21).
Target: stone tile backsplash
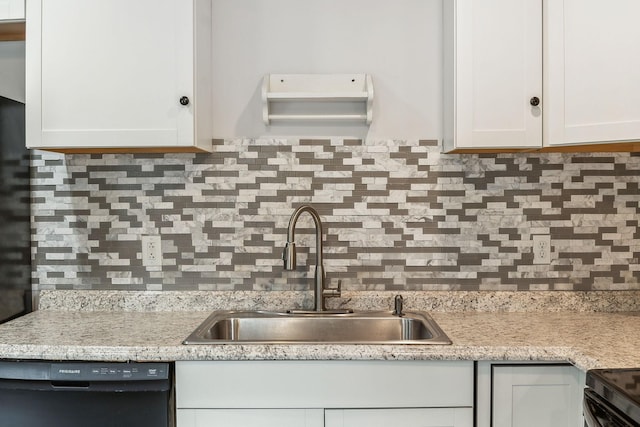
(398, 215)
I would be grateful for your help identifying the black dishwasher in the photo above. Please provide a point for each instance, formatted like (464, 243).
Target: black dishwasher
(79, 394)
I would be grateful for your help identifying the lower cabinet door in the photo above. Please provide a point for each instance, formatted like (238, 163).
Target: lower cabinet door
(405, 417)
(534, 396)
(250, 418)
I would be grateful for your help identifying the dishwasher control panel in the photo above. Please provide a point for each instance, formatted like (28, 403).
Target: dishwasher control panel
(108, 371)
(84, 371)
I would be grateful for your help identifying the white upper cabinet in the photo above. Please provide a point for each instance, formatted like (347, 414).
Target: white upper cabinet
(498, 95)
(119, 75)
(11, 10)
(492, 74)
(592, 65)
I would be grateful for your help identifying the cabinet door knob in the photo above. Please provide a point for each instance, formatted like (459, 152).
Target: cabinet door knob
(184, 100)
(535, 101)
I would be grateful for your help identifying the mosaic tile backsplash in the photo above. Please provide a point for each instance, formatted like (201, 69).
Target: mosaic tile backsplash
(397, 215)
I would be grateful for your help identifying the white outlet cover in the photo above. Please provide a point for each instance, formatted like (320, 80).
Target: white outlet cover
(542, 249)
(151, 251)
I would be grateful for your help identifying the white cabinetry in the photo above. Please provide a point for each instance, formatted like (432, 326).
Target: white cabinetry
(115, 74)
(592, 89)
(493, 74)
(250, 417)
(12, 10)
(420, 417)
(525, 395)
(324, 393)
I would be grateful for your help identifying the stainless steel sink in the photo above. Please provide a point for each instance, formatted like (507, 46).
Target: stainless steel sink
(368, 327)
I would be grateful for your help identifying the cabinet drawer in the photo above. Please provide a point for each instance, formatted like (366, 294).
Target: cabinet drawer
(324, 384)
(250, 417)
(410, 417)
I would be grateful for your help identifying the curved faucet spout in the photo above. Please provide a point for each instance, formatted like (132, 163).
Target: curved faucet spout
(289, 255)
(290, 261)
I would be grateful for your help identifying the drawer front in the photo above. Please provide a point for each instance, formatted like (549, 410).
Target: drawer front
(324, 384)
(250, 417)
(405, 417)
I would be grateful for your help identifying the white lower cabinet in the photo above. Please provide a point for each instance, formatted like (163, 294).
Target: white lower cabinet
(529, 395)
(324, 393)
(406, 417)
(377, 394)
(251, 417)
(410, 417)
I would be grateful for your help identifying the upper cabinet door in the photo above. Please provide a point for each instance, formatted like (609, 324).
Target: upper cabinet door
(592, 64)
(118, 74)
(493, 74)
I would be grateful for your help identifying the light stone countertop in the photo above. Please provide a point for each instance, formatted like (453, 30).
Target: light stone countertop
(586, 339)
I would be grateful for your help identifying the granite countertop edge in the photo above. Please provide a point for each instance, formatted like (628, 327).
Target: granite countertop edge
(590, 329)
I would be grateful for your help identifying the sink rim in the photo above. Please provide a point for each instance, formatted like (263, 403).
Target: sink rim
(439, 337)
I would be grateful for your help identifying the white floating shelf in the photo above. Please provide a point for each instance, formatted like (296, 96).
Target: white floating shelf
(312, 117)
(317, 97)
(283, 96)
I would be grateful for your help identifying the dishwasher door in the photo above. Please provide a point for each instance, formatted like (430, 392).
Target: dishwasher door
(74, 394)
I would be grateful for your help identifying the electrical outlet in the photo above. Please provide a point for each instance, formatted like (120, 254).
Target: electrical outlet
(542, 249)
(151, 251)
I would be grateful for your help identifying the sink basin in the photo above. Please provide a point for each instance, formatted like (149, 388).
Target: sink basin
(367, 327)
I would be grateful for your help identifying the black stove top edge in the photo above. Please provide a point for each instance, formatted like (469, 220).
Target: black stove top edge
(619, 387)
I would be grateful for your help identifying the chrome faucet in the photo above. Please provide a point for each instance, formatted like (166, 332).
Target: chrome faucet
(289, 256)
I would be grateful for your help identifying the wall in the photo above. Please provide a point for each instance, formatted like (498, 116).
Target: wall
(398, 214)
(399, 43)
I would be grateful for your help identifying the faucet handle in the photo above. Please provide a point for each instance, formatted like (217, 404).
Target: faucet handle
(397, 306)
(333, 292)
